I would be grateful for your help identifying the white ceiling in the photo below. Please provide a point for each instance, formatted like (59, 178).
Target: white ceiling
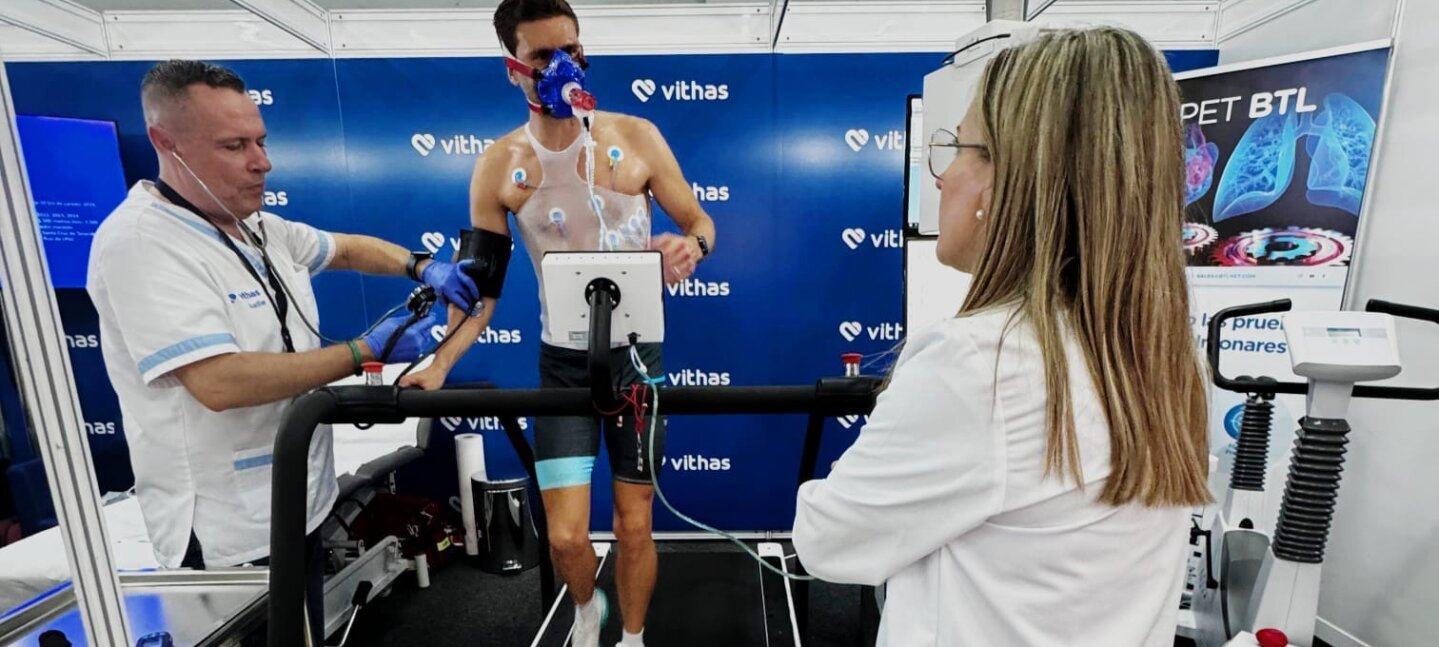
(154, 5)
(191, 5)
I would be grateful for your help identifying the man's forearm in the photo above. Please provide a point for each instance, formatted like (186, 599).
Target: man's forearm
(704, 226)
(370, 255)
(464, 338)
(249, 379)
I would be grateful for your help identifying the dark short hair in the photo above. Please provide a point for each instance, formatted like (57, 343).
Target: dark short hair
(54, 638)
(511, 13)
(168, 81)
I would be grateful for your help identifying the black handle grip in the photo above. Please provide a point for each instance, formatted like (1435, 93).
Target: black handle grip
(1245, 384)
(1403, 311)
(1399, 392)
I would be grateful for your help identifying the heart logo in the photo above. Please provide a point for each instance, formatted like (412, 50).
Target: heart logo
(433, 241)
(856, 138)
(848, 421)
(438, 332)
(853, 237)
(643, 89)
(423, 143)
(850, 329)
(450, 423)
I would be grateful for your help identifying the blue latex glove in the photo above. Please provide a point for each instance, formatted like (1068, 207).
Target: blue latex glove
(452, 283)
(410, 343)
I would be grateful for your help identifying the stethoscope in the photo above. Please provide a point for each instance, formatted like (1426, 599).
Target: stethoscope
(275, 289)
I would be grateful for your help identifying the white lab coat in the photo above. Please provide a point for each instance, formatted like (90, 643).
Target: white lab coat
(943, 499)
(169, 293)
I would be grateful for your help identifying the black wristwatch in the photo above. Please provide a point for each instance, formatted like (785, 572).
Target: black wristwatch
(414, 263)
(704, 245)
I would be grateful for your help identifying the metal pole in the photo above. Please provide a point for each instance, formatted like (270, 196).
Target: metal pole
(289, 475)
(47, 385)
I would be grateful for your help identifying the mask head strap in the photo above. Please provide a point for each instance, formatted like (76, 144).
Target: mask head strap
(529, 72)
(516, 66)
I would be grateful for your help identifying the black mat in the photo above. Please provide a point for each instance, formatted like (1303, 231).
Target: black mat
(702, 597)
(464, 606)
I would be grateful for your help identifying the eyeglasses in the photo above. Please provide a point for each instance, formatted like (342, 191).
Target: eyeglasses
(944, 147)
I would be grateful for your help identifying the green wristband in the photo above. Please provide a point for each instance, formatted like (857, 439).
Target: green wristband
(355, 353)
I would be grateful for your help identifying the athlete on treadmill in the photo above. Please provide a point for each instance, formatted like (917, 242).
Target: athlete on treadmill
(538, 173)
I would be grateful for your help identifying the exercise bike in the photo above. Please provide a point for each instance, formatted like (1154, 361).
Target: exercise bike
(1277, 604)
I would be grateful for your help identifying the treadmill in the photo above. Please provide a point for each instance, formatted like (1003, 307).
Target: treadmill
(702, 597)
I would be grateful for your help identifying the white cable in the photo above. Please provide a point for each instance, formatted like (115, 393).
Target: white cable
(589, 147)
(259, 244)
(654, 481)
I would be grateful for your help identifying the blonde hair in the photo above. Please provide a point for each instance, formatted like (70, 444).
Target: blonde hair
(1084, 135)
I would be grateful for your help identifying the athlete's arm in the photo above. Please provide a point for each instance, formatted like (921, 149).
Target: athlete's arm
(489, 213)
(672, 191)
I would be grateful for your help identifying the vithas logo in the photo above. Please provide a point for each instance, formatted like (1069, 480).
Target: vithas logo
(434, 241)
(645, 90)
(698, 288)
(100, 428)
(855, 237)
(480, 424)
(697, 463)
(710, 193)
(850, 421)
(425, 143)
(489, 336)
(261, 97)
(83, 341)
(852, 330)
(858, 138)
(692, 377)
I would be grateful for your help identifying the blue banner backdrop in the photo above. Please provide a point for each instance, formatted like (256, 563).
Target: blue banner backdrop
(798, 158)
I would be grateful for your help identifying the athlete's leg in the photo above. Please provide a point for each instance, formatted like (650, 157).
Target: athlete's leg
(637, 563)
(567, 511)
(565, 450)
(634, 462)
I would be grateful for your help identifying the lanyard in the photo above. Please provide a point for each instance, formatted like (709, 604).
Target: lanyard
(276, 291)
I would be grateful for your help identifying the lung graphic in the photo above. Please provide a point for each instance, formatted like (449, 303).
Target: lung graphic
(1260, 169)
(1339, 142)
(1200, 158)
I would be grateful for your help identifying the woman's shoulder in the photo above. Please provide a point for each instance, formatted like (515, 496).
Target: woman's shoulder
(984, 329)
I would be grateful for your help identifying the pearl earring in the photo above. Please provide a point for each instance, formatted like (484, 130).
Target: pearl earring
(979, 215)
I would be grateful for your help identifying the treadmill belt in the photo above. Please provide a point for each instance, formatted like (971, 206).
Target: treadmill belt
(700, 599)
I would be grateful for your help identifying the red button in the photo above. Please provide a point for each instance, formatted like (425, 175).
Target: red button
(1272, 638)
(851, 358)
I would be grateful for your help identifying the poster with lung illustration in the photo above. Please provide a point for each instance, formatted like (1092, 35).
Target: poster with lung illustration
(1276, 159)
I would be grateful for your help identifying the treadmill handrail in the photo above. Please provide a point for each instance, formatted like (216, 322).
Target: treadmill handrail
(390, 404)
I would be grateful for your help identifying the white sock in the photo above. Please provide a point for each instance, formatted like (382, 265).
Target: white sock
(590, 610)
(633, 640)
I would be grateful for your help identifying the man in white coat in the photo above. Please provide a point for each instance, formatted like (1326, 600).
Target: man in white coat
(209, 324)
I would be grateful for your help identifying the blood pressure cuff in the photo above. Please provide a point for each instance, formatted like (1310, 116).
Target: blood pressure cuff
(491, 255)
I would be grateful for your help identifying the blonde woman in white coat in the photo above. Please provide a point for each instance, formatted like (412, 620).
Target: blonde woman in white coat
(1028, 473)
